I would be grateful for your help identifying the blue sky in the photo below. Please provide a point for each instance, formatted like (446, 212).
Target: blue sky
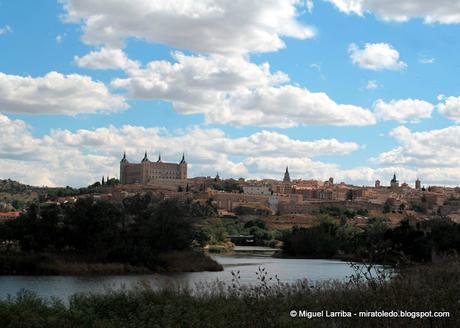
(244, 88)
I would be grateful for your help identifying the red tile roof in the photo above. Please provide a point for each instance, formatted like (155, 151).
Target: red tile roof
(10, 215)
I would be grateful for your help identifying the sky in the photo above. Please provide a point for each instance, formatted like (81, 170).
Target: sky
(351, 89)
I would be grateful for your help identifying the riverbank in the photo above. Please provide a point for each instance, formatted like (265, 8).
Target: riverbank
(424, 288)
(61, 264)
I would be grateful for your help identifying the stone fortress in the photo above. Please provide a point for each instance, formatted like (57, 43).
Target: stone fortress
(154, 173)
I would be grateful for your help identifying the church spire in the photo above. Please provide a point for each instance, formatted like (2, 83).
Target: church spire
(159, 157)
(286, 178)
(183, 159)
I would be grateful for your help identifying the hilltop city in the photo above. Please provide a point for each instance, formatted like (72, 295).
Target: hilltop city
(287, 196)
(289, 200)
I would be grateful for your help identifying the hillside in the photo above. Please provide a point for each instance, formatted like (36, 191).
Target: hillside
(16, 194)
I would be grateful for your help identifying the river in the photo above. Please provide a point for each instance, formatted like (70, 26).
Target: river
(246, 260)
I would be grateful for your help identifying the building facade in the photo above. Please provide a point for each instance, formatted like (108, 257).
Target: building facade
(257, 190)
(153, 172)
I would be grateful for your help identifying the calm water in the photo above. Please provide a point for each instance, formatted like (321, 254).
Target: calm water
(247, 260)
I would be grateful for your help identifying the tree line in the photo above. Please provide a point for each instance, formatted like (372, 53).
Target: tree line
(376, 242)
(135, 230)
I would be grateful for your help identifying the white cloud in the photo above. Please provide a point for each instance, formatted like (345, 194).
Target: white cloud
(56, 93)
(376, 57)
(439, 11)
(404, 110)
(431, 155)
(450, 107)
(426, 61)
(310, 5)
(5, 30)
(217, 26)
(428, 149)
(231, 90)
(106, 58)
(63, 157)
(372, 85)
(78, 158)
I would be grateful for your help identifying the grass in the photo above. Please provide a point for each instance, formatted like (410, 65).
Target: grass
(431, 287)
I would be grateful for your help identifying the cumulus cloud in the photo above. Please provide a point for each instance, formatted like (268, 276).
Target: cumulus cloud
(450, 107)
(106, 58)
(56, 93)
(376, 57)
(431, 149)
(431, 155)
(217, 26)
(231, 90)
(440, 11)
(404, 110)
(62, 157)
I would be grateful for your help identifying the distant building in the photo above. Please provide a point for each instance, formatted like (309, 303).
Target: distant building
(377, 183)
(257, 190)
(418, 184)
(153, 173)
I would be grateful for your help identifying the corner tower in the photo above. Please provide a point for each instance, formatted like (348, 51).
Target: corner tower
(183, 168)
(123, 164)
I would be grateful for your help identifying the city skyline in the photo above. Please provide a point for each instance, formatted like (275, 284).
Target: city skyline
(343, 89)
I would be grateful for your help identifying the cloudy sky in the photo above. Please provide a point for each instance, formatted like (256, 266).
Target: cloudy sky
(353, 89)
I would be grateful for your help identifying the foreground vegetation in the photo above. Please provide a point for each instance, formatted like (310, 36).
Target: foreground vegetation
(428, 287)
(141, 234)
